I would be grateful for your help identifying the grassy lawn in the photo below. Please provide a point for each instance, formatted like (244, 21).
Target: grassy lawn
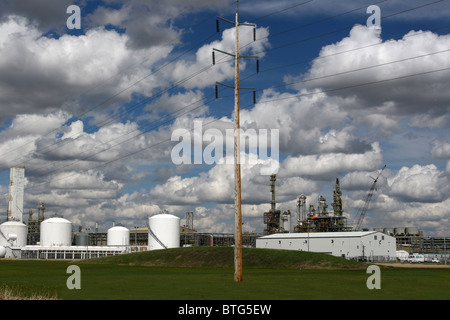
(138, 281)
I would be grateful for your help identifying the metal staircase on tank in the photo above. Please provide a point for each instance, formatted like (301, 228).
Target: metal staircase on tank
(150, 231)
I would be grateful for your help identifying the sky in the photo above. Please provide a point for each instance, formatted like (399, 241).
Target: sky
(92, 112)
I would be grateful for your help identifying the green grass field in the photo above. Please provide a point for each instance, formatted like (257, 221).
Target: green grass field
(207, 274)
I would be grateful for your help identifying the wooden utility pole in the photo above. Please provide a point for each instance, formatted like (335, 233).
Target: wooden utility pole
(237, 148)
(238, 277)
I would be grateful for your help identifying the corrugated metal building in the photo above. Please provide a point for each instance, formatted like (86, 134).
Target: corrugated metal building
(367, 245)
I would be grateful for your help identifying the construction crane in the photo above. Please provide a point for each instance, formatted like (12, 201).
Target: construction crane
(362, 210)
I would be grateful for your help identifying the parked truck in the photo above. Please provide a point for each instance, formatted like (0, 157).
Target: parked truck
(416, 258)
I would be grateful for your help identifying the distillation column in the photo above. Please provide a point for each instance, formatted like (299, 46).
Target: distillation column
(16, 191)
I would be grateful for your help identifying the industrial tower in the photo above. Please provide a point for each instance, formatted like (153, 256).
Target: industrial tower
(16, 190)
(34, 224)
(272, 218)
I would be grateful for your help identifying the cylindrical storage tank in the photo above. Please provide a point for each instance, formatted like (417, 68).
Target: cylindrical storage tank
(400, 231)
(2, 252)
(412, 231)
(164, 232)
(82, 239)
(18, 232)
(56, 232)
(118, 236)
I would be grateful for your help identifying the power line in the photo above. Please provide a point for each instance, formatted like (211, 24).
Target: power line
(335, 31)
(61, 143)
(146, 131)
(297, 96)
(360, 69)
(283, 10)
(347, 51)
(346, 28)
(292, 96)
(136, 133)
(318, 21)
(121, 91)
(111, 119)
(356, 85)
(305, 80)
(166, 64)
(147, 128)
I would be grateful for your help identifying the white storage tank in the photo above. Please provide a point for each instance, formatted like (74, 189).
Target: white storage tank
(412, 231)
(163, 232)
(118, 236)
(400, 231)
(56, 232)
(2, 252)
(16, 232)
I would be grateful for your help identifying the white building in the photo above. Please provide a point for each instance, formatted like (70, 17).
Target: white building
(372, 245)
(70, 252)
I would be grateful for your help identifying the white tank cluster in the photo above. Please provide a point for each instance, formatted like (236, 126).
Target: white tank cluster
(56, 232)
(163, 232)
(118, 236)
(56, 235)
(57, 238)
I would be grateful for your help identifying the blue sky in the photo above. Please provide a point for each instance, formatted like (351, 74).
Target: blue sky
(90, 112)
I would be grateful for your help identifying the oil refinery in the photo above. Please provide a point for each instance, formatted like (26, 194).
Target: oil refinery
(312, 228)
(313, 220)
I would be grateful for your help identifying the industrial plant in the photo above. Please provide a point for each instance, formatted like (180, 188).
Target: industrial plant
(312, 228)
(53, 238)
(310, 220)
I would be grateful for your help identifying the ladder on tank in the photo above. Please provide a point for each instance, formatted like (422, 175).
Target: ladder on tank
(150, 231)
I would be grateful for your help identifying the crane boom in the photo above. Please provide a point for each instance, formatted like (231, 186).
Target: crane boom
(362, 211)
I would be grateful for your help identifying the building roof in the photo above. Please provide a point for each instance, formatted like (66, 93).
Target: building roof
(349, 234)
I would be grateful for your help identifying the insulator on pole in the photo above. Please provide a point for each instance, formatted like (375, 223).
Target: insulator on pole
(254, 97)
(257, 66)
(217, 25)
(254, 34)
(214, 58)
(217, 92)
